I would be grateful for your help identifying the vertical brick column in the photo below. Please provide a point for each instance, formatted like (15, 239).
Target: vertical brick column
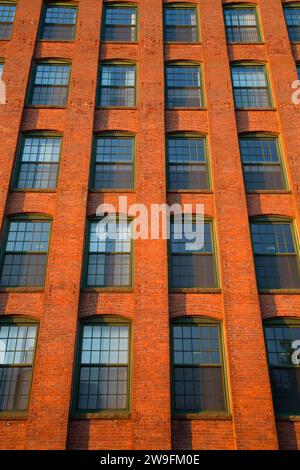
(17, 54)
(283, 72)
(151, 382)
(251, 402)
(49, 410)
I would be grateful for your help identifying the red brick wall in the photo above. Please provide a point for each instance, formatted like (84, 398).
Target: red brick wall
(251, 424)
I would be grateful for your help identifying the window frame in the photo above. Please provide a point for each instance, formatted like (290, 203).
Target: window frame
(119, 5)
(112, 134)
(47, 4)
(111, 320)
(268, 85)
(190, 6)
(187, 135)
(281, 160)
(84, 285)
(290, 6)
(27, 217)
(9, 3)
(19, 320)
(186, 63)
(217, 287)
(31, 83)
(198, 320)
(280, 322)
(243, 6)
(294, 232)
(18, 160)
(99, 85)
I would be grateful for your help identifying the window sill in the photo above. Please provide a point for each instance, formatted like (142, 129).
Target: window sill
(122, 108)
(190, 191)
(196, 290)
(22, 289)
(288, 418)
(279, 291)
(185, 109)
(32, 190)
(103, 415)
(256, 109)
(70, 41)
(118, 42)
(202, 416)
(121, 290)
(43, 106)
(112, 190)
(171, 43)
(13, 416)
(269, 191)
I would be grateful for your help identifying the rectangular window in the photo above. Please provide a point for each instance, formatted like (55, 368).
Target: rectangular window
(104, 368)
(187, 163)
(7, 16)
(292, 18)
(38, 163)
(120, 24)
(109, 255)
(276, 259)
(262, 163)
(250, 86)
(117, 85)
(17, 346)
(180, 24)
(298, 71)
(25, 253)
(50, 85)
(59, 23)
(184, 88)
(284, 375)
(241, 25)
(192, 266)
(113, 162)
(197, 368)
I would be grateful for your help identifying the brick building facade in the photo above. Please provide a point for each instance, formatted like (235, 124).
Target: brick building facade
(66, 93)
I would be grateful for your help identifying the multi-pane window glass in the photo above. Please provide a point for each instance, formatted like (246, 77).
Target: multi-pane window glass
(1, 70)
(298, 71)
(192, 264)
(250, 86)
(120, 24)
(109, 254)
(284, 373)
(113, 162)
(292, 18)
(184, 86)
(38, 165)
(241, 25)
(25, 253)
(261, 163)
(180, 24)
(187, 163)
(117, 85)
(276, 259)
(59, 23)
(104, 368)
(197, 369)
(7, 16)
(50, 85)
(17, 345)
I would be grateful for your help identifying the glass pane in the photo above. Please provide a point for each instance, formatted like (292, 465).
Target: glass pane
(198, 345)
(277, 272)
(250, 87)
(241, 25)
(183, 86)
(272, 238)
(59, 23)
(286, 390)
(117, 85)
(39, 163)
(50, 85)
(180, 24)
(279, 340)
(120, 24)
(17, 344)
(199, 389)
(292, 17)
(7, 16)
(189, 271)
(14, 388)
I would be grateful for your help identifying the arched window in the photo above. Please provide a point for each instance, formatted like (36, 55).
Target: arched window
(103, 366)
(117, 85)
(251, 88)
(58, 22)
(242, 23)
(181, 23)
(184, 88)
(119, 22)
